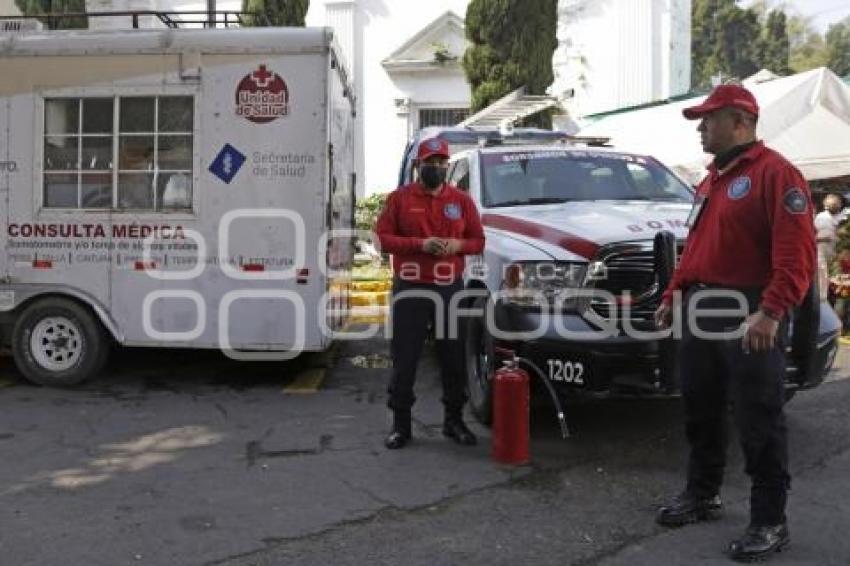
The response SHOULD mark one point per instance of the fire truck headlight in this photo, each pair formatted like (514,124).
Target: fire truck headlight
(543,283)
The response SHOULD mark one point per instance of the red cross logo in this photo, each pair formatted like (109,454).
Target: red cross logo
(262,77)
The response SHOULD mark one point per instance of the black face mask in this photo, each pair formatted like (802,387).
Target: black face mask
(432,176)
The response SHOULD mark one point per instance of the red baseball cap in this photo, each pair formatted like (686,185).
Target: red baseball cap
(723,96)
(432,146)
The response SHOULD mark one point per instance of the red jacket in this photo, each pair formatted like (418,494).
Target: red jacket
(756,229)
(412,215)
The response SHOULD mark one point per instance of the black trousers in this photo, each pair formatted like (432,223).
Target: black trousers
(410,318)
(714,372)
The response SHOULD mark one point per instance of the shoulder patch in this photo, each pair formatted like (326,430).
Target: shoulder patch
(739,188)
(795,201)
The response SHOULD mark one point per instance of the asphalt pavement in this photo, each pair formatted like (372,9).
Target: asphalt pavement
(192,459)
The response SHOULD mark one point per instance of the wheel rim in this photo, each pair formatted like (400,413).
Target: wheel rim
(56,343)
(479,361)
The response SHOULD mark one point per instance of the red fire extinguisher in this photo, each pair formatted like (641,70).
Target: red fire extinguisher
(511,414)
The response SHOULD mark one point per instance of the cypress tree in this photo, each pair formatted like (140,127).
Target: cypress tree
(512,45)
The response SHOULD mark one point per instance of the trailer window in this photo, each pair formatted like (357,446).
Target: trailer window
(141,161)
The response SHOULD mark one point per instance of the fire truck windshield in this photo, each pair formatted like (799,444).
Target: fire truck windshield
(550,176)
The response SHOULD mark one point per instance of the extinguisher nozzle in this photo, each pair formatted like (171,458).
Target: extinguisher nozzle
(565,432)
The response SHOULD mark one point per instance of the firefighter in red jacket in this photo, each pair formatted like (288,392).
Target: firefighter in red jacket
(428,226)
(751,232)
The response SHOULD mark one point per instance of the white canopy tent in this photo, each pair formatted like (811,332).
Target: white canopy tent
(806,117)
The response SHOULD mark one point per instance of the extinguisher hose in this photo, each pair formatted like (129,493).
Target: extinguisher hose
(565,432)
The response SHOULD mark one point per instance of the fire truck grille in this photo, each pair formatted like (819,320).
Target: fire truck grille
(629,275)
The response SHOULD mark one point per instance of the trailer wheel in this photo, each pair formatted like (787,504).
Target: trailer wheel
(479,365)
(56,342)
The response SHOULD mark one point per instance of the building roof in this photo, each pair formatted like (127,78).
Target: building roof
(438,44)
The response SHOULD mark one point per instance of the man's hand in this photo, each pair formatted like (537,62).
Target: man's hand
(434,246)
(663,316)
(760,335)
(452,246)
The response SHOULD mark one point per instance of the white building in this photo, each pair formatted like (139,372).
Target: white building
(615,54)
(407,73)
(9,8)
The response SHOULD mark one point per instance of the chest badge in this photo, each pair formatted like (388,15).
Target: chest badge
(739,188)
(452,211)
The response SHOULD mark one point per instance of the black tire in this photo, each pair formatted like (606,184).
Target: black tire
(479,365)
(58,343)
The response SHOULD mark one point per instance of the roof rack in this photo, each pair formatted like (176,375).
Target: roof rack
(169,19)
(19,24)
(490,136)
(595,141)
(564,139)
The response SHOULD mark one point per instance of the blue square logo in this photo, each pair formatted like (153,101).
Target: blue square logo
(227,163)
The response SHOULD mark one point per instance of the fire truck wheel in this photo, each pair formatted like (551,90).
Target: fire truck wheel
(479,365)
(57,342)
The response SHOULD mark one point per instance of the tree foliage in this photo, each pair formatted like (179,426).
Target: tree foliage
(734,42)
(808,48)
(512,45)
(838,47)
(775,45)
(275,12)
(368,209)
(727,41)
(35,7)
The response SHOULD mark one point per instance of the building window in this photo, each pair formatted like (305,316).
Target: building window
(442,116)
(129,153)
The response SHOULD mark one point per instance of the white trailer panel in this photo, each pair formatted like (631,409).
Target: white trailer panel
(178,184)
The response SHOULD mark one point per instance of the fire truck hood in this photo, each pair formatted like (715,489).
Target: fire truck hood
(578,229)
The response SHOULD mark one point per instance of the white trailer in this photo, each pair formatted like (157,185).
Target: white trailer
(172,188)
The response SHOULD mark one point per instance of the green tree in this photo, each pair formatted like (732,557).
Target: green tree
(838,47)
(274,12)
(56,7)
(512,45)
(725,41)
(775,46)
(368,209)
(808,49)
(703,39)
(737,41)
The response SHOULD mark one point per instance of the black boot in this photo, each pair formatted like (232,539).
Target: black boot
(686,508)
(400,434)
(760,542)
(454,428)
